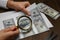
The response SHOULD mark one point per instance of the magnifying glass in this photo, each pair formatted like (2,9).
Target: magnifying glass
(24,23)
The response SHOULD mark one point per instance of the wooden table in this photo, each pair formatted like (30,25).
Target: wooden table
(54,4)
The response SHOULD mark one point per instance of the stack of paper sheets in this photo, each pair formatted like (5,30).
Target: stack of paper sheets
(11,17)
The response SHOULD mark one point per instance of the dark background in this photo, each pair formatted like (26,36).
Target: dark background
(52,3)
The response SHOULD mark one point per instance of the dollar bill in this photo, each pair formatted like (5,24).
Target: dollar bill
(38,21)
(9,22)
(48,10)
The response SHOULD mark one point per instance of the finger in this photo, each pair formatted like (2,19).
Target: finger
(10,29)
(27,3)
(25,11)
(13,33)
(16,32)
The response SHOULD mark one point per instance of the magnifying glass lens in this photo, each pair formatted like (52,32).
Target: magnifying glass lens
(24,23)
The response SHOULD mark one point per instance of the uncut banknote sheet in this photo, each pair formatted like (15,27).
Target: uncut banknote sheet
(40,23)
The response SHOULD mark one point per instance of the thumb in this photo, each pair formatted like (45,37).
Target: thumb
(13,33)
(10,29)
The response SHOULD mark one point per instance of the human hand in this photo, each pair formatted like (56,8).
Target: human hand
(19,6)
(9,33)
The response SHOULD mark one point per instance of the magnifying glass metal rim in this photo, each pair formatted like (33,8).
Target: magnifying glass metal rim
(27,30)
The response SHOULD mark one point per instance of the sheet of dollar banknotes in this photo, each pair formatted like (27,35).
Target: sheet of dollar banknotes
(40,22)
(48,10)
